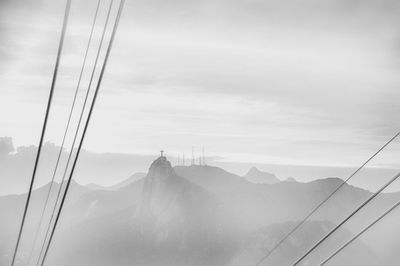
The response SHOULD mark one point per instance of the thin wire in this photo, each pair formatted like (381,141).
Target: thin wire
(65,133)
(347,218)
(325,200)
(361,232)
(76,131)
(53,84)
(86,125)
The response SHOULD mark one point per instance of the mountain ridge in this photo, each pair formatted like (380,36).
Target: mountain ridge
(196,214)
(256,176)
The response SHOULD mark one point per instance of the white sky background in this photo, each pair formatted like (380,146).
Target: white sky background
(275,82)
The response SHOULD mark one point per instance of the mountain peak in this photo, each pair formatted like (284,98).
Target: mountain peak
(161,167)
(253,170)
(156,183)
(254,175)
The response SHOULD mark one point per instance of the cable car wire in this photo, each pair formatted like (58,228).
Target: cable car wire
(325,200)
(86,125)
(65,134)
(347,218)
(53,84)
(361,232)
(76,131)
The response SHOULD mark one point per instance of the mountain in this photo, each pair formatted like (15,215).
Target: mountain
(162,219)
(190,215)
(214,179)
(258,177)
(12,206)
(266,238)
(130,180)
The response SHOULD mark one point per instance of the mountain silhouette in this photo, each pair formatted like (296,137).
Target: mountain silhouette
(131,179)
(162,219)
(258,177)
(187,215)
(266,238)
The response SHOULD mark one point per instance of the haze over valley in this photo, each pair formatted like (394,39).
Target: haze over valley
(196,215)
(199,133)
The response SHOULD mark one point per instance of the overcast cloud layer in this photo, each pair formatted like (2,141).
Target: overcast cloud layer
(280,82)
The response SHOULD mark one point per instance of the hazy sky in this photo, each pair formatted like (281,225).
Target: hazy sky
(281,82)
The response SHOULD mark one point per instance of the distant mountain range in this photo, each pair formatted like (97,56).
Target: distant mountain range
(131,179)
(191,215)
(258,177)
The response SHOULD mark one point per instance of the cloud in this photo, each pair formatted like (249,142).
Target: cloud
(6,146)
(251,73)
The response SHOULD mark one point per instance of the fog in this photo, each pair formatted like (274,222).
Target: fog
(201,215)
(273,105)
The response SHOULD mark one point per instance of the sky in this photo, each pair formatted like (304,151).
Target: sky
(311,83)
